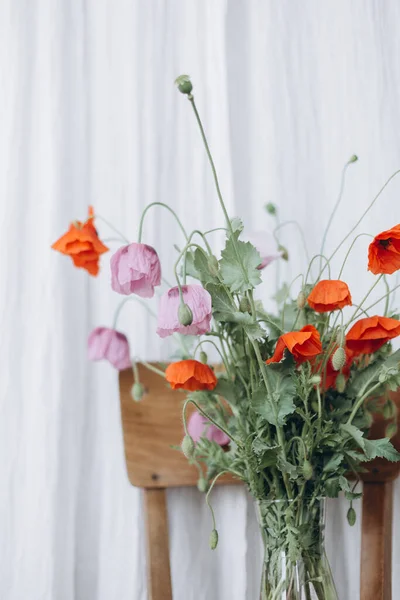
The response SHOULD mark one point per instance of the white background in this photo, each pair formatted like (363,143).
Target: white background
(89,115)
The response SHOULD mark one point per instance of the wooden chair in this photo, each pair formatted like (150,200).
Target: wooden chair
(151,427)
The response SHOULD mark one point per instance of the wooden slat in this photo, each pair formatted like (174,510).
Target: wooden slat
(150,428)
(376,542)
(158,568)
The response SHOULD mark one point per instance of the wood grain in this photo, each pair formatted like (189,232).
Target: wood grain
(376,542)
(158,567)
(150,428)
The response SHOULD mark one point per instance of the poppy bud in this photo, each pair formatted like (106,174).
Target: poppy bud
(389,410)
(338,359)
(184,84)
(391,430)
(188,446)
(301,300)
(351,516)
(307,470)
(137,391)
(353,159)
(284,252)
(185,315)
(340,383)
(270,208)
(315,379)
(244,305)
(213,265)
(213,539)
(202,485)
(203,357)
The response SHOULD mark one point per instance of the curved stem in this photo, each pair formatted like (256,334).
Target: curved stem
(377,301)
(338,201)
(122,304)
(208,494)
(301,232)
(121,235)
(310,265)
(359,402)
(224,360)
(350,249)
(164,206)
(152,368)
(221,427)
(364,299)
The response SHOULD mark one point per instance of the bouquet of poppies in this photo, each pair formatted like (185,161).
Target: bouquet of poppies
(288,411)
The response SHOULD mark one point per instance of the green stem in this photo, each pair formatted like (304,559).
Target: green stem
(350,249)
(382,298)
(363,300)
(122,304)
(221,427)
(223,358)
(152,368)
(121,235)
(301,232)
(361,400)
(164,206)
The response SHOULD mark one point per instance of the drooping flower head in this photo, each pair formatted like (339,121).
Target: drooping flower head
(135,269)
(199,302)
(266,245)
(190,375)
(328,295)
(82,244)
(384,252)
(369,334)
(198,427)
(108,344)
(303,345)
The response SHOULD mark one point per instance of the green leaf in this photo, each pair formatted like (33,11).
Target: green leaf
(334,462)
(332,487)
(287,467)
(275,409)
(255,331)
(191,270)
(382,448)
(227,390)
(237,226)
(202,267)
(239,266)
(355,433)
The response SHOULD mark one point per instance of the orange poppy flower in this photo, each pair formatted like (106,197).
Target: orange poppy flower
(304,345)
(190,375)
(369,334)
(82,244)
(384,252)
(329,294)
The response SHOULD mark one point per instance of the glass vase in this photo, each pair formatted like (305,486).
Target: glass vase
(295,565)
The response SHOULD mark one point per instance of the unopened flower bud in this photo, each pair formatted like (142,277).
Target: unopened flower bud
(137,391)
(389,410)
(203,357)
(301,300)
(213,539)
(244,305)
(391,430)
(202,485)
(315,379)
(184,84)
(340,383)
(340,337)
(188,446)
(338,359)
(270,208)
(284,252)
(213,265)
(353,159)
(307,470)
(185,315)
(351,516)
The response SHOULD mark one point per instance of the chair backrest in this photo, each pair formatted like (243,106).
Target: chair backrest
(153,429)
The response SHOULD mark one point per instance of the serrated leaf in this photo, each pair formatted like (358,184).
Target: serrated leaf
(237,225)
(275,409)
(382,448)
(239,266)
(332,487)
(334,462)
(259,446)
(202,267)
(354,433)
(227,390)
(255,331)
(287,467)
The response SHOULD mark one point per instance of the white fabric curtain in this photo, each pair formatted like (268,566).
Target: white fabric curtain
(89,114)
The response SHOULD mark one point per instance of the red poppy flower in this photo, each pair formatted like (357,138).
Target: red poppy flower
(304,345)
(82,244)
(369,334)
(190,375)
(384,252)
(329,294)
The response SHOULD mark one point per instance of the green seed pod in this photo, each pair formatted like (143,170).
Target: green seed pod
(389,410)
(315,379)
(301,300)
(213,265)
(137,391)
(340,383)
(284,252)
(185,315)
(244,305)
(340,337)
(188,447)
(270,208)
(351,516)
(202,485)
(308,471)
(184,84)
(213,539)
(203,357)
(353,159)
(339,359)
(390,430)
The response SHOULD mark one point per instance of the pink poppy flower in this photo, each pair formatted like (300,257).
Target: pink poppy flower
(266,245)
(111,345)
(135,269)
(199,302)
(198,426)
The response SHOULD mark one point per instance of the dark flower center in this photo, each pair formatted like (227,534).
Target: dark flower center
(385,243)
